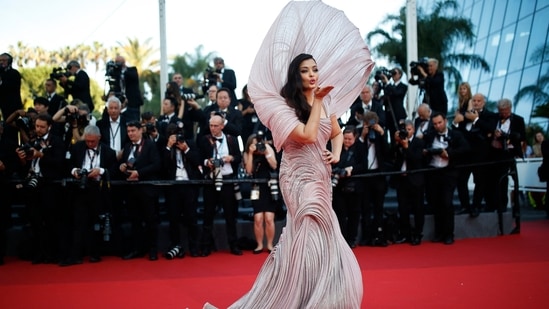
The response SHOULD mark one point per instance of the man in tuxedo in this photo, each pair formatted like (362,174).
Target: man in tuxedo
(368,104)
(79,88)
(232,118)
(192,113)
(477,126)
(44,162)
(221,157)
(56,101)
(169,107)
(10,86)
(113,126)
(126,82)
(225,78)
(444,149)
(141,161)
(393,97)
(347,195)
(507,144)
(181,158)
(91,162)
(410,185)
(375,186)
(423,124)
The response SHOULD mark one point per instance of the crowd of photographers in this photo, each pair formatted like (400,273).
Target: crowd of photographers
(91,187)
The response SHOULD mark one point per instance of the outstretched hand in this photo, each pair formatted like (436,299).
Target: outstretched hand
(320,93)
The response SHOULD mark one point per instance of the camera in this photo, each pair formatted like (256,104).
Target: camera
(174,252)
(218,178)
(57,73)
(423,63)
(402,132)
(210,77)
(371,131)
(83,173)
(80,120)
(273,186)
(24,124)
(150,128)
(434,151)
(337,173)
(113,71)
(27,147)
(382,71)
(260,145)
(129,166)
(105,225)
(191,96)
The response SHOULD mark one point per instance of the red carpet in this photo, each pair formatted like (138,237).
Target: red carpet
(503,272)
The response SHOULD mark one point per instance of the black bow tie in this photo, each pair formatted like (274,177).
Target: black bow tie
(219,139)
(92,149)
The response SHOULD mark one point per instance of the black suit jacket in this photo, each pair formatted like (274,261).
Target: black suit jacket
(435,95)
(458,147)
(229,82)
(479,136)
(10,92)
(517,134)
(395,96)
(377,108)
(191,161)
(104,125)
(57,102)
(80,88)
(382,152)
(52,163)
(233,117)
(206,145)
(163,123)
(132,91)
(418,122)
(413,156)
(147,160)
(107,157)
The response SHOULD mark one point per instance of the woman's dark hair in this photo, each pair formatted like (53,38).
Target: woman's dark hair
(292,91)
(172,91)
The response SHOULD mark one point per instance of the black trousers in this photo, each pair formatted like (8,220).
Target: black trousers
(181,202)
(225,198)
(410,201)
(44,210)
(346,205)
(442,184)
(143,213)
(375,189)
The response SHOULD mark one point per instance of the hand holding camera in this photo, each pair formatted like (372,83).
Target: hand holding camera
(471,115)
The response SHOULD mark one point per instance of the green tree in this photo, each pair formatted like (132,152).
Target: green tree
(192,67)
(438,33)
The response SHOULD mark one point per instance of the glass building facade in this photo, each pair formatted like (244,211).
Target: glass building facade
(507,32)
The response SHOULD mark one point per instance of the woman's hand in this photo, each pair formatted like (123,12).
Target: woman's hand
(320,93)
(329,157)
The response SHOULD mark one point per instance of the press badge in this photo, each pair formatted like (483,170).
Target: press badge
(254,194)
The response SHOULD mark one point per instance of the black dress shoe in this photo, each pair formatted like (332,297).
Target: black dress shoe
(256,251)
(95,259)
(380,242)
(236,251)
(133,255)
(448,240)
(401,240)
(415,241)
(70,262)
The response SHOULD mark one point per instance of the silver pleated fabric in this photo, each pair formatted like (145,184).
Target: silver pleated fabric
(312,265)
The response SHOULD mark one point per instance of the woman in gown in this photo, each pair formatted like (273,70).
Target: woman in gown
(312,266)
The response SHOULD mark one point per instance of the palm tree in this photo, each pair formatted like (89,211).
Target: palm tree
(538,92)
(438,33)
(192,67)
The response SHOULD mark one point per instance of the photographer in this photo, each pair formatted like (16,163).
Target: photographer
(347,194)
(425,74)
(507,144)
(222,78)
(444,149)
(393,98)
(79,88)
(23,122)
(113,125)
(10,86)
(188,110)
(410,187)
(91,162)
(44,162)
(375,187)
(260,162)
(181,158)
(125,80)
(76,117)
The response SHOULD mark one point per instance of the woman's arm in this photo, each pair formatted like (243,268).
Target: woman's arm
(307,133)
(336,139)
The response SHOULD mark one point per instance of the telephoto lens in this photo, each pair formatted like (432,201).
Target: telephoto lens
(174,252)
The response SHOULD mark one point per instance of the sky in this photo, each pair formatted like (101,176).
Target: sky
(231,29)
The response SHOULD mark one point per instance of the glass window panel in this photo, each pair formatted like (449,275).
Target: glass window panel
(490,56)
(512,82)
(542,4)
(497,15)
(518,53)
(475,18)
(484,25)
(527,7)
(496,88)
(539,31)
(502,60)
(483,87)
(474,76)
(513,8)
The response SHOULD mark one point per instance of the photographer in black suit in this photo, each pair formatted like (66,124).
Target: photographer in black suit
(410,186)
(393,99)
(221,158)
(10,86)
(232,118)
(43,158)
(181,158)
(113,125)
(125,80)
(91,165)
(444,149)
(79,88)
(224,78)
(425,74)
(141,161)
